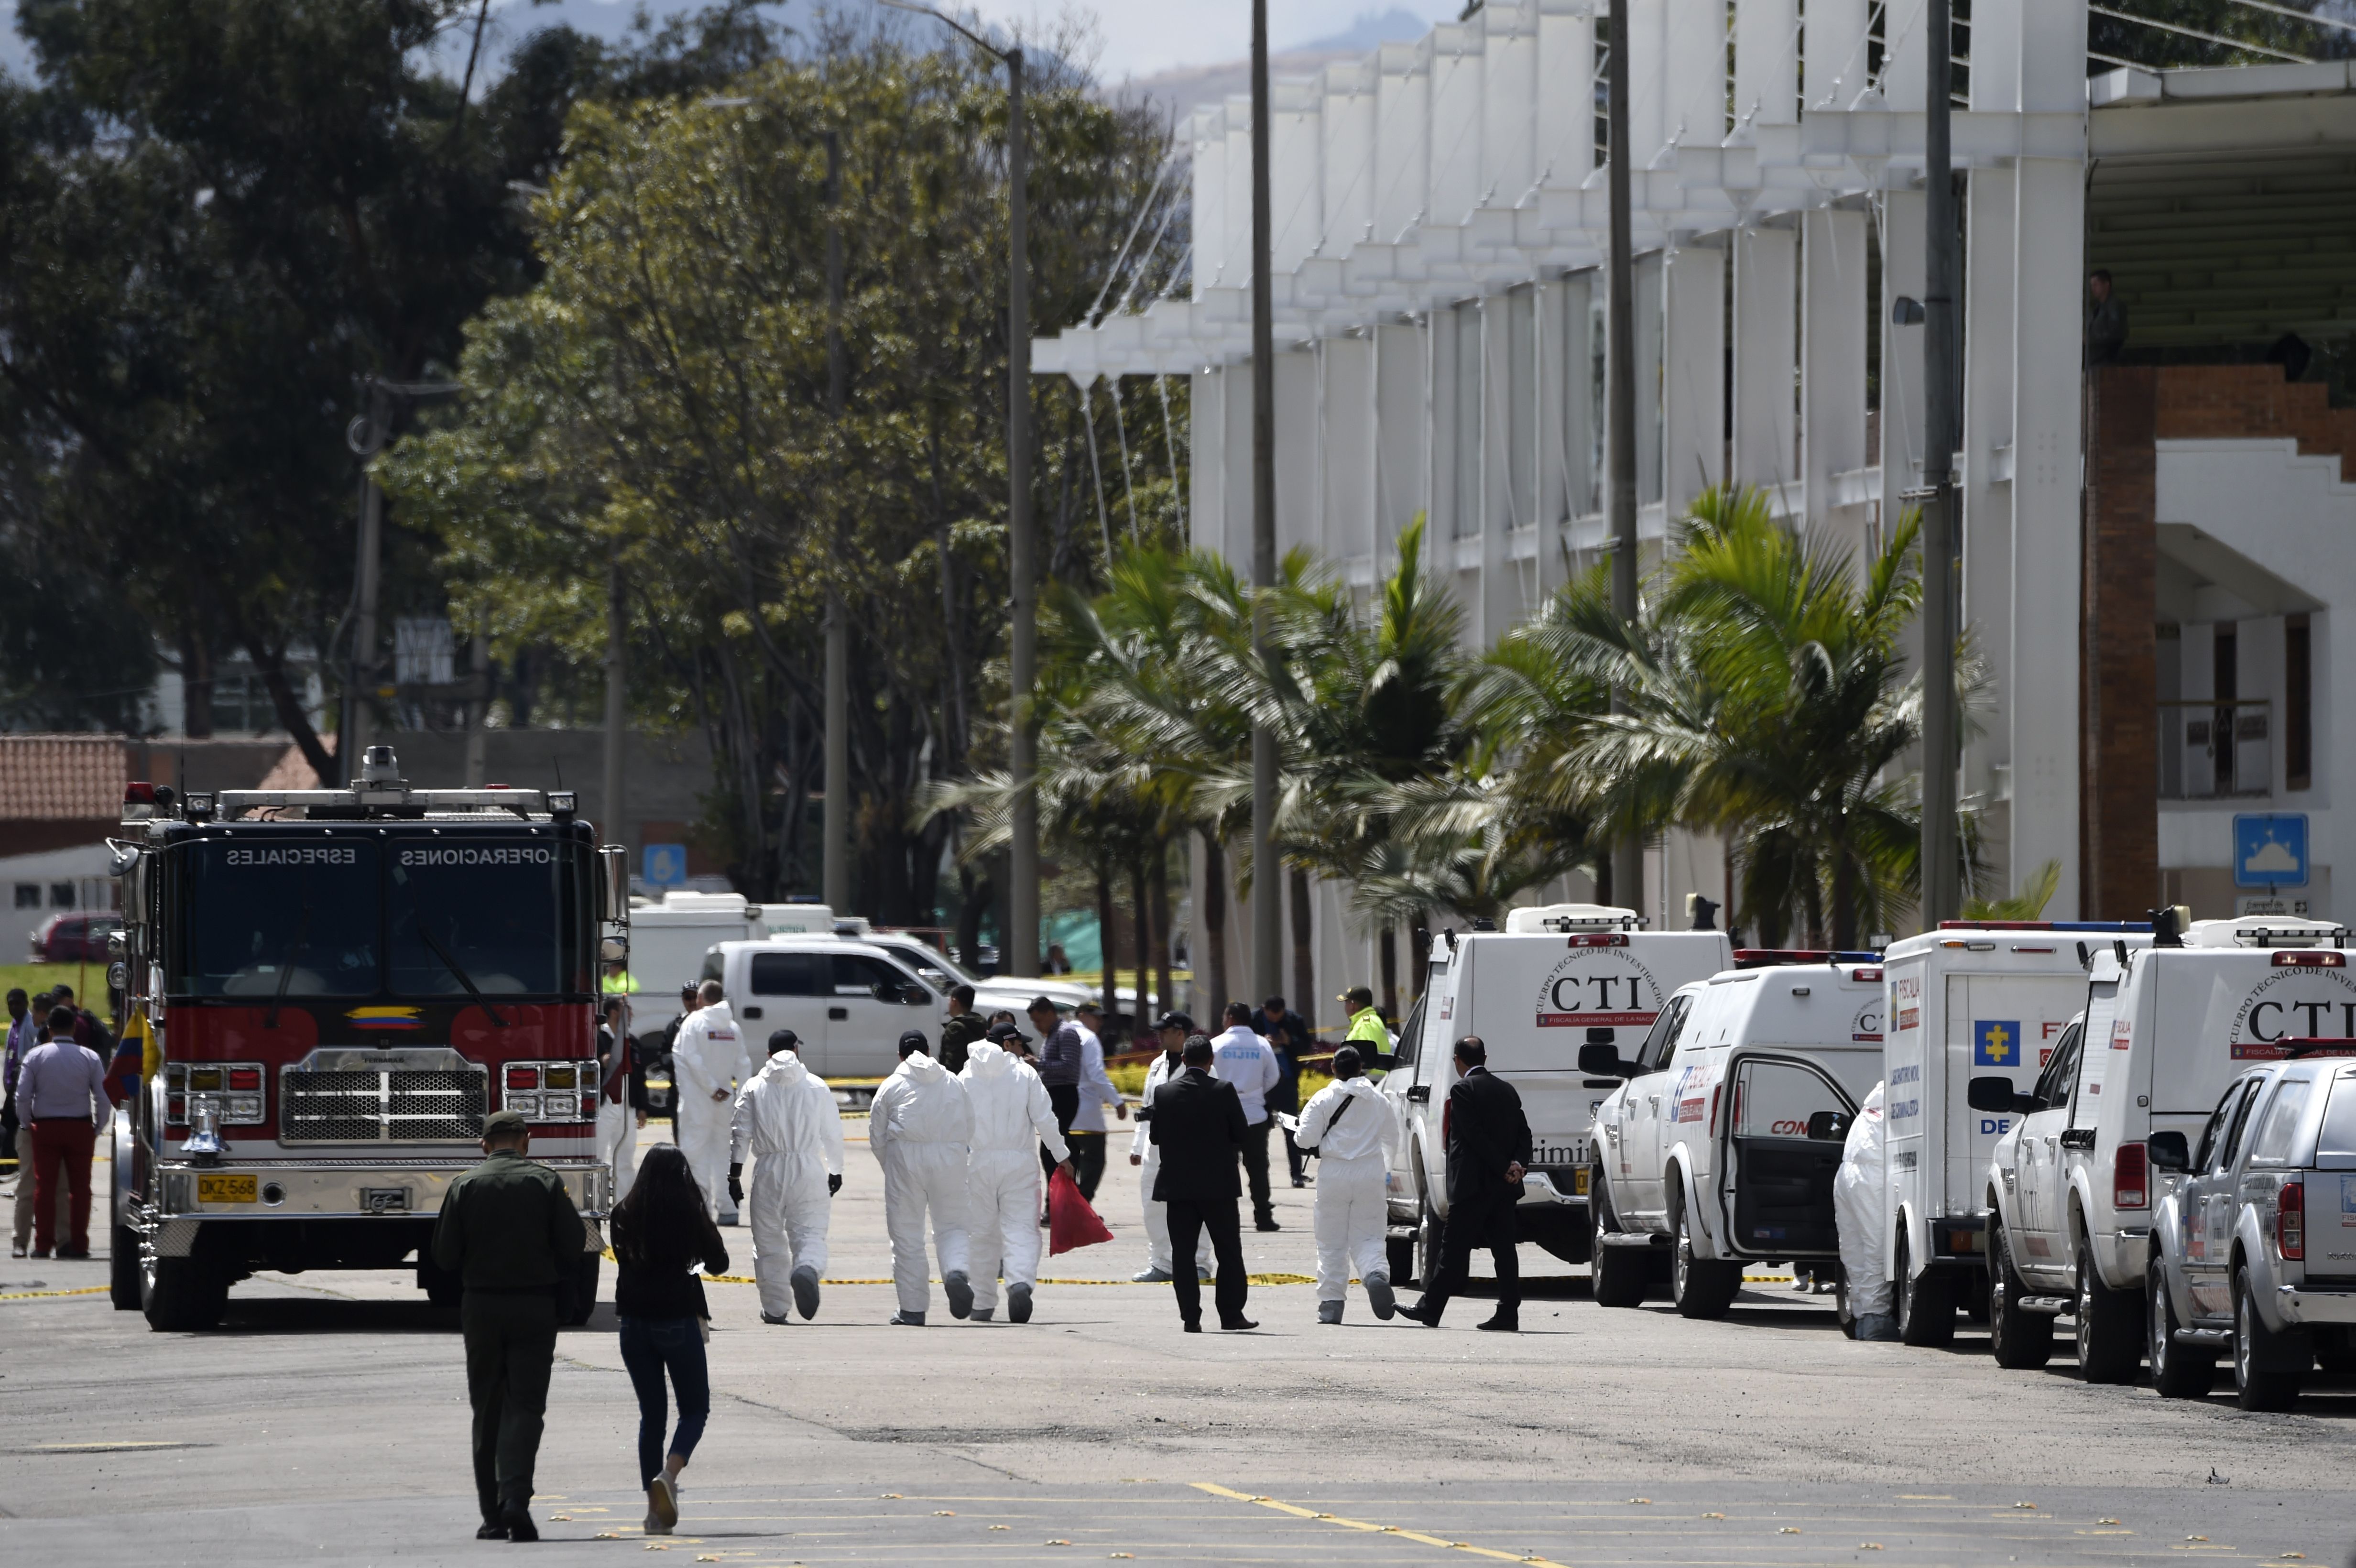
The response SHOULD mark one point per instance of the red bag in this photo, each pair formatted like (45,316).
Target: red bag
(1070,1221)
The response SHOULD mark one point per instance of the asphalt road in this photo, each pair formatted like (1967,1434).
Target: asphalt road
(326,1422)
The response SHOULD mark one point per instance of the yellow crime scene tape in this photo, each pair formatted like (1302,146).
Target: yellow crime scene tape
(36,1294)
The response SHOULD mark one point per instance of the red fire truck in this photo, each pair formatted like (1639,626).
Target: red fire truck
(341,984)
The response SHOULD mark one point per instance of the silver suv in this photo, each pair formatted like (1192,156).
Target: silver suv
(2254,1251)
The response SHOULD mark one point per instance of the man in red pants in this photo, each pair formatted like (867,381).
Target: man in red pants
(61,1094)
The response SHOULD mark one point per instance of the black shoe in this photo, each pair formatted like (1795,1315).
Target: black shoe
(1268,1224)
(1235,1324)
(1299,1182)
(1421,1314)
(1502,1323)
(1018,1304)
(1192,1326)
(492,1531)
(517,1518)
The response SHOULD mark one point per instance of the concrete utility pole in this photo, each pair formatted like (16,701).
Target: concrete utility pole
(1268,885)
(1942,858)
(1620,416)
(617,721)
(1018,947)
(835,875)
(365,437)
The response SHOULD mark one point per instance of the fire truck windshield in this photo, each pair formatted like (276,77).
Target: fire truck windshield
(299,917)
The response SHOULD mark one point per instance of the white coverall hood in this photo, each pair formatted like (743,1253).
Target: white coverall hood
(1861,1209)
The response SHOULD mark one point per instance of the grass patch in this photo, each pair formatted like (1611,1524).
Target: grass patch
(88,980)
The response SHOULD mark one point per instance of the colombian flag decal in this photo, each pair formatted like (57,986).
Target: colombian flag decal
(386,1018)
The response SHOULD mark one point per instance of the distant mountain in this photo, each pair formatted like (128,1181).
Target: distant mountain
(1184,87)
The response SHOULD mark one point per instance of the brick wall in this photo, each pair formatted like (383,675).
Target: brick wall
(2250,402)
(2119,708)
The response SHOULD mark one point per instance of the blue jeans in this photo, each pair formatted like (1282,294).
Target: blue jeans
(649,1344)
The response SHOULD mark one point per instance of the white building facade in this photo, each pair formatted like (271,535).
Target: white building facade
(1439,230)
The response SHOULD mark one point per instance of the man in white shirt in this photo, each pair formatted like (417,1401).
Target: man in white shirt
(1250,1063)
(61,1094)
(1350,1127)
(1086,1134)
(706,1061)
(1146,1154)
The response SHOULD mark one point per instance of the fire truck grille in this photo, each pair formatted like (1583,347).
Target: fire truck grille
(399,1106)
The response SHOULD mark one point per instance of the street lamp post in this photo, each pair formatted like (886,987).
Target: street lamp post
(1268,886)
(1019,944)
(1942,860)
(1619,411)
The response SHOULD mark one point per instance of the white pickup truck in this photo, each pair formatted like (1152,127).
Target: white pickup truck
(1557,979)
(1721,1145)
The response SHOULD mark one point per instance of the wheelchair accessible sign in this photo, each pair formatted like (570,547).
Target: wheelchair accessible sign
(2270,850)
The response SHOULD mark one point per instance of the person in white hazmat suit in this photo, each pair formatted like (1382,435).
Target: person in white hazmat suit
(1012,1117)
(786,1121)
(1350,1126)
(1145,1153)
(706,1061)
(920,1127)
(1861,1210)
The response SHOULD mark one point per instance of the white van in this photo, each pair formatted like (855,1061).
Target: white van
(668,940)
(1985,999)
(991,992)
(2070,1186)
(1721,1144)
(848,1001)
(1558,978)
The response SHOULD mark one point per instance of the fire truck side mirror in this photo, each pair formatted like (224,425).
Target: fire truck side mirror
(613,884)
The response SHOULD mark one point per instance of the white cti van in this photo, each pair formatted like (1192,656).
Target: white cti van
(1558,978)
(2070,1186)
(1985,998)
(1721,1145)
(848,1001)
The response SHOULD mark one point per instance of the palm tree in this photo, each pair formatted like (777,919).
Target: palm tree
(1765,696)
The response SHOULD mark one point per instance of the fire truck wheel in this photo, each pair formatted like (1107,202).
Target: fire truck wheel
(123,1269)
(181,1295)
(584,1290)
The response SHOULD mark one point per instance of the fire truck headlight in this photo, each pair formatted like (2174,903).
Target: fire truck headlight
(524,1104)
(246,1108)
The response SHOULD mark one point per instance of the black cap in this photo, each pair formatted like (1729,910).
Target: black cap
(784,1039)
(914,1039)
(1179,1021)
(1000,1033)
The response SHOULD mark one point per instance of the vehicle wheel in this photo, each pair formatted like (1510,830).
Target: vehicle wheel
(2266,1368)
(441,1287)
(180,1295)
(2021,1340)
(2110,1326)
(1427,1244)
(2177,1371)
(584,1289)
(1617,1272)
(123,1269)
(1926,1304)
(1399,1251)
(1701,1287)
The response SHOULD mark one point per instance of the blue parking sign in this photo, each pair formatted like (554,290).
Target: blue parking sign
(1996,1042)
(2270,850)
(666,865)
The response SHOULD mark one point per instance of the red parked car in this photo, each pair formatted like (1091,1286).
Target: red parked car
(74,938)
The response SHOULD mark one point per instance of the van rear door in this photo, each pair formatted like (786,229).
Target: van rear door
(1999,1026)
(1776,1181)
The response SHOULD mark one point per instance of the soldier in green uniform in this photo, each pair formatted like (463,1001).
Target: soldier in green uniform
(508,1230)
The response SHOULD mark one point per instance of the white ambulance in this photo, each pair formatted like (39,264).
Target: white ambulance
(2070,1186)
(1558,978)
(1721,1146)
(1981,998)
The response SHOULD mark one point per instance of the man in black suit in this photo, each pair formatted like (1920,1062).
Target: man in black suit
(1488,1150)
(1198,1127)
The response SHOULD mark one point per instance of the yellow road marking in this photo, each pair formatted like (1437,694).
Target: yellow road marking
(31,1295)
(1358,1524)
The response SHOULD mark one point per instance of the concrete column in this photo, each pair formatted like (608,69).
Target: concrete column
(1401,437)
(1902,351)
(1693,388)
(1651,344)
(1832,364)
(1766,349)
(1297,445)
(1834,55)
(1766,63)
(1207,476)
(1987,496)
(1345,481)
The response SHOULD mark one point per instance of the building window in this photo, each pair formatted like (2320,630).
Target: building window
(61,895)
(1467,419)
(28,895)
(2298,704)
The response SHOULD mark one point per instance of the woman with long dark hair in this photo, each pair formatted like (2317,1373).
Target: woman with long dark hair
(661,1230)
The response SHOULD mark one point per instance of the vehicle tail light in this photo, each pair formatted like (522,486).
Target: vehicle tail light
(523,1077)
(2290,1222)
(2130,1179)
(588,1107)
(245,1078)
(1716,1089)
(207,1078)
(175,1110)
